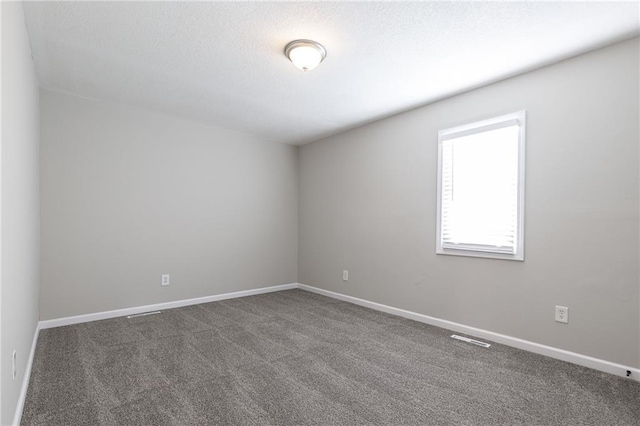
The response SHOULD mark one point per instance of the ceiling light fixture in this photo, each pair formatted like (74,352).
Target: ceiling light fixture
(305,54)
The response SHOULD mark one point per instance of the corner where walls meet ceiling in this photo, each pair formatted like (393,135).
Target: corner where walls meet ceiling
(223,63)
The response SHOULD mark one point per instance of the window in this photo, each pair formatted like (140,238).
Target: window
(481,188)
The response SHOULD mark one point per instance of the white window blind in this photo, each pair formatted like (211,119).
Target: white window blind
(480,188)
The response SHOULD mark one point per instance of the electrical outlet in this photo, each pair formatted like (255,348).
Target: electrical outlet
(165,280)
(345,275)
(13,361)
(562,314)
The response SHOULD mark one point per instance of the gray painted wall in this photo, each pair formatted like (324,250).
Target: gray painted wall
(19,214)
(368,205)
(128,195)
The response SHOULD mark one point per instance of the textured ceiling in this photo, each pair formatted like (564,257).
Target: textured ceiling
(223,63)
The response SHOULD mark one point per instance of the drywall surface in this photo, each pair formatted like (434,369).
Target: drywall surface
(368,205)
(129,194)
(383,56)
(19,213)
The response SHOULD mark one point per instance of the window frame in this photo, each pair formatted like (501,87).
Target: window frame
(473,128)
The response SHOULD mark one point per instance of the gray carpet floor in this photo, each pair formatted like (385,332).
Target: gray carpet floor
(297,358)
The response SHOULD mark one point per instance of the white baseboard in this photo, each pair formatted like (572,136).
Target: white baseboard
(561,354)
(59,322)
(25,379)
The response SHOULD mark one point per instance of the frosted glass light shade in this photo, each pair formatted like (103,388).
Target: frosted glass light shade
(305,54)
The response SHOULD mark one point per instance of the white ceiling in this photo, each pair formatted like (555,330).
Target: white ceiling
(223,63)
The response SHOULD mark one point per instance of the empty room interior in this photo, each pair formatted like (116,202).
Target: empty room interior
(320,213)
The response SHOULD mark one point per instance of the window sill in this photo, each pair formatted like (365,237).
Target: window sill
(483,254)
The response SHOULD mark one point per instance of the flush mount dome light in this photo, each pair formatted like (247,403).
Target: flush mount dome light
(305,54)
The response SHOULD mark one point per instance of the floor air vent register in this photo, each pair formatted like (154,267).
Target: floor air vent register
(473,342)
(144,314)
